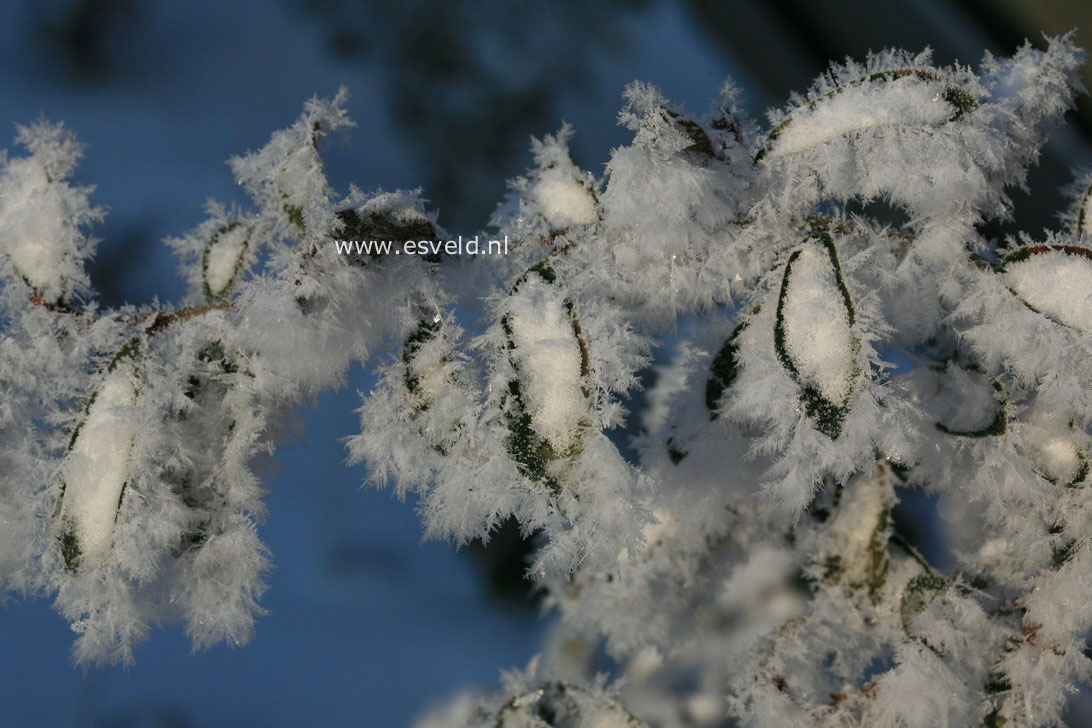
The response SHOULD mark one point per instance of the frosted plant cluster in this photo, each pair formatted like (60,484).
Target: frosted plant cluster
(746,568)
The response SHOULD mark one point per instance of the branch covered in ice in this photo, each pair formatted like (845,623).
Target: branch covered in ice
(805,369)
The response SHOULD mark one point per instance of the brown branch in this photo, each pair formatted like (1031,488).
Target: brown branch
(37,299)
(162,319)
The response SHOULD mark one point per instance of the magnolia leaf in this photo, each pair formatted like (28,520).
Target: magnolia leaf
(1053,447)
(565,199)
(1082,221)
(722,371)
(897,97)
(916,596)
(1053,280)
(813,333)
(993,428)
(547,403)
(428,373)
(208,383)
(223,259)
(96,469)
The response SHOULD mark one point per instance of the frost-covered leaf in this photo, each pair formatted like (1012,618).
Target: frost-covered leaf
(97,464)
(722,371)
(286,177)
(909,96)
(41,215)
(672,209)
(813,333)
(534,701)
(1057,446)
(1055,281)
(736,545)
(223,258)
(547,410)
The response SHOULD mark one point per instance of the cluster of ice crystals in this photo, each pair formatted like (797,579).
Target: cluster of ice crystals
(548,355)
(818,335)
(41,214)
(1057,284)
(747,565)
(96,467)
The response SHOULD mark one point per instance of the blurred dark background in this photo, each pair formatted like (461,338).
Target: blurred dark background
(368,626)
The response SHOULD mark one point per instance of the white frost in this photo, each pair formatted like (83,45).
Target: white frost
(564,199)
(1057,284)
(1054,446)
(32,223)
(97,468)
(818,336)
(224,257)
(858,109)
(548,355)
(677,558)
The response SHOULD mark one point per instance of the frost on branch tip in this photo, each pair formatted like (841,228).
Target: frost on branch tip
(556,194)
(134,494)
(41,215)
(286,178)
